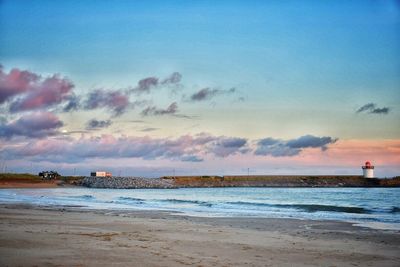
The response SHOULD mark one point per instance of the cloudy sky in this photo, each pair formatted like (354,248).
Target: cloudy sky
(200,87)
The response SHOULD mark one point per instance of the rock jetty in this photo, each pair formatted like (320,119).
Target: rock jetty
(237,181)
(282,181)
(127,182)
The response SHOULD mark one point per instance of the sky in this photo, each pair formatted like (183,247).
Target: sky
(150,88)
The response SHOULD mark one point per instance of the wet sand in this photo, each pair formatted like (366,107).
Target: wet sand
(67,236)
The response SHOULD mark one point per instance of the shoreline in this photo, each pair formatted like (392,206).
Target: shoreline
(179,215)
(172,182)
(373,226)
(69,236)
(43,185)
(50,186)
(90,199)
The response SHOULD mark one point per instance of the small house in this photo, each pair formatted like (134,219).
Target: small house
(100,174)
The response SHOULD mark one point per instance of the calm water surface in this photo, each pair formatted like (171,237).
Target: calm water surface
(372,207)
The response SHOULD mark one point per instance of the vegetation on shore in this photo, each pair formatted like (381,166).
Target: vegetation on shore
(36,179)
(20,177)
(218,181)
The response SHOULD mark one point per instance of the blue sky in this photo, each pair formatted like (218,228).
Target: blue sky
(298,67)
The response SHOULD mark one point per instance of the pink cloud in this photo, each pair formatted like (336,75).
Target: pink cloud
(42,94)
(34,125)
(184,148)
(116,101)
(15,82)
(210,153)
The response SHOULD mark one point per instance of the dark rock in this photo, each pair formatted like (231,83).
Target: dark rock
(126,182)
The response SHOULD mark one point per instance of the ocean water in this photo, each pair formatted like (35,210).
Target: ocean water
(371,207)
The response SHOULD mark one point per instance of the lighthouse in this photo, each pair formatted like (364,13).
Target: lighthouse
(368,170)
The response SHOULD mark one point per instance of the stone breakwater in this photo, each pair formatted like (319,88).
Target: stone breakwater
(126,182)
(236,181)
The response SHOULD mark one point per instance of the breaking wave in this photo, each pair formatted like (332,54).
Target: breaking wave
(85,197)
(308,207)
(131,199)
(184,201)
(355,205)
(395,210)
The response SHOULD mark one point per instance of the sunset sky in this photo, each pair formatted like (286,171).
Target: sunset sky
(202,87)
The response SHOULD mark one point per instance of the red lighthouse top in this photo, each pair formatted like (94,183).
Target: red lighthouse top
(368,165)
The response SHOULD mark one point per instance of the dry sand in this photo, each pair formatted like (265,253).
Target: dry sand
(21,184)
(40,236)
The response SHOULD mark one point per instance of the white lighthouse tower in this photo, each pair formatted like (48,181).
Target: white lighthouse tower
(368,170)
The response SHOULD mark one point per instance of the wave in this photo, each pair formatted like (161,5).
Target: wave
(307,207)
(183,201)
(131,199)
(395,210)
(315,208)
(82,197)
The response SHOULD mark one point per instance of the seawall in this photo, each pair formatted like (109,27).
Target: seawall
(126,182)
(281,181)
(237,181)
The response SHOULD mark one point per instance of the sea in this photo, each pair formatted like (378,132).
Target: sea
(377,208)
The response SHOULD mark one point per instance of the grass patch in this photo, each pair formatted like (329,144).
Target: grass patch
(20,177)
(31,178)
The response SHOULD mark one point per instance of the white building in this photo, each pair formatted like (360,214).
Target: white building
(368,170)
(101,174)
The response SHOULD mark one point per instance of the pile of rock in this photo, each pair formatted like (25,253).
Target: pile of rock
(126,182)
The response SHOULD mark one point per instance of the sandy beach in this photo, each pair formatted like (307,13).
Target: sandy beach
(67,236)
